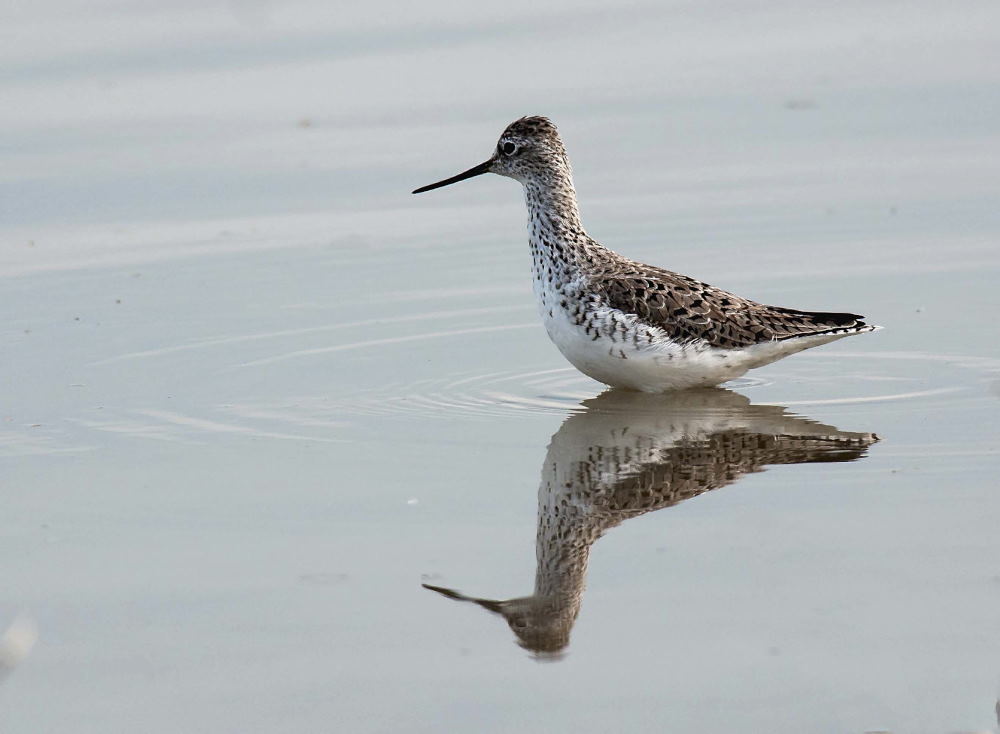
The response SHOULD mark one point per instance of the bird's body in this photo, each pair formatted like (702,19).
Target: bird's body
(625,323)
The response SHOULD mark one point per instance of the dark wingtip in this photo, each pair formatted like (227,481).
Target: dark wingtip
(832,317)
(846,319)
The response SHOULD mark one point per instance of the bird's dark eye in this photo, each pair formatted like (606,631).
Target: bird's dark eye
(508,148)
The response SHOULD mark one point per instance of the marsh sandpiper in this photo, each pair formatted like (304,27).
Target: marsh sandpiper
(624,323)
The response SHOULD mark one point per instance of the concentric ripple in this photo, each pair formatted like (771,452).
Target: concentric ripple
(821,379)
(471,395)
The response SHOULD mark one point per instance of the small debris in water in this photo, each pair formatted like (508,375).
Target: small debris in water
(412,501)
(16,643)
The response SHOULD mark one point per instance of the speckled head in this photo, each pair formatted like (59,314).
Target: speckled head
(528,150)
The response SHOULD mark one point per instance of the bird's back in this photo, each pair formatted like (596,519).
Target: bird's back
(690,310)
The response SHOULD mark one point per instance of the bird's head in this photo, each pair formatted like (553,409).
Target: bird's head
(529,150)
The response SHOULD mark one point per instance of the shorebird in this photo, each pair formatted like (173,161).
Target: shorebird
(630,454)
(625,323)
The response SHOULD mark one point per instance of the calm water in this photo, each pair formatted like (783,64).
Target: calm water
(257,397)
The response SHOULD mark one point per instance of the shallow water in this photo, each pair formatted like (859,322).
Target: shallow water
(257,396)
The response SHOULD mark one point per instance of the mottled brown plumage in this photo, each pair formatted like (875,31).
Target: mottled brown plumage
(690,310)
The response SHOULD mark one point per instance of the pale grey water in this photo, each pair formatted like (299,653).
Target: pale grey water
(255,394)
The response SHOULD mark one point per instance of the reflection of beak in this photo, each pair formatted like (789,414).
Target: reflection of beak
(493,606)
(474,171)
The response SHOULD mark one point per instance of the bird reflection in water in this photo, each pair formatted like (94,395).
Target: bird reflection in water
(631,453)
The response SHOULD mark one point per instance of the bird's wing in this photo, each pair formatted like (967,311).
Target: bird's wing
(689,310)
(692,467)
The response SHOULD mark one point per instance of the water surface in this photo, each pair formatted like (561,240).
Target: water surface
(257,397)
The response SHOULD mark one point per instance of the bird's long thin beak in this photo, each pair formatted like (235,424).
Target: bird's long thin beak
(474,171)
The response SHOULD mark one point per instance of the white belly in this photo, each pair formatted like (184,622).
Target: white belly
(628,354)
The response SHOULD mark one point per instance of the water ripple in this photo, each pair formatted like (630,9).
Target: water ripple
(888,377)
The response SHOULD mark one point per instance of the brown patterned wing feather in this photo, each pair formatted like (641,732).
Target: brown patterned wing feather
(691,467)
(690,310)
